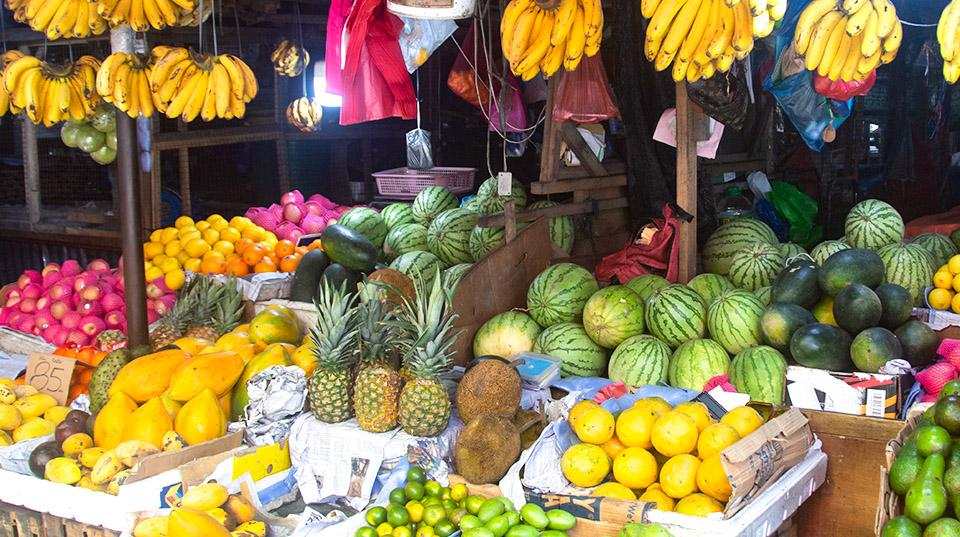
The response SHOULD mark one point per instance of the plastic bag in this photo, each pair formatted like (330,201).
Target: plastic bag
(419,38)
(840,90)
(465,82)
(799,210)
(722,97)
(419,148)
(515,113)
(583,95)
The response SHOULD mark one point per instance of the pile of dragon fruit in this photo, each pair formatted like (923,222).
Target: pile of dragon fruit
(295,216)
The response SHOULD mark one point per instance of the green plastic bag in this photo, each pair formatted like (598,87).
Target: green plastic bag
(799,210)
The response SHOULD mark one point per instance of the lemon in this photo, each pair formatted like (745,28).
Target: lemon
(657,404)
(174,279)
(253,233)
(744,419)
(203,225)
(157,260)
(585,465)
(168,234)
(182,257)
(955,303)
(230,234)
(218,225)
(172,248)
(698,411)
(674,433)
(595,426)
(635,468)
(189,236)
(185,231)
(197,247)
(152,249)
(678,477)
(712,478)
(155,235)
(192,264)
(614,490)
(215,217)
(715,439)
(169,265)
(943,279)
(634,426)
(211,236)
(954,264)
(153,273)
(956,283)
(224,247)
(183,221)
(698,505)
(940,299)
(656,495)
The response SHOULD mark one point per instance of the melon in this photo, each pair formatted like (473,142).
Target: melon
(366,222)
(453,275)
(697,361)
(640,360)
(419,266)
(717,253)
(873,348)
(579,355)
(484,240)
(405,238)
(645,285)
(856,265)
(791,249)
(825,249)
(397,213)
(756,266)
(561,227)
(760,372)
(612,315)
(908,266)
(873,224)
(765,294)
(734,320)
(489,202)
(559,293)
(430,202)
(939,246)
(676,314)
(506,335)
(709,286)
(780,321)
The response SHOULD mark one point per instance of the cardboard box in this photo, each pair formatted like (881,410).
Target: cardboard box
(858,394)
(891,505)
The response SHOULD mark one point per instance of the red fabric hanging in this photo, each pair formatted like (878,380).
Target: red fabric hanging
(660,256)
(336,19)
(376,84)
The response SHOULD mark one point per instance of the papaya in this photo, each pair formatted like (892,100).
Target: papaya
(148,423)
(201,419)
(205,497)
(33,428)
(226,405)
(218,371)
(276,354)
(274,325)
(111,421)
(192,523)
(147,376)
(152,527)
(173,407)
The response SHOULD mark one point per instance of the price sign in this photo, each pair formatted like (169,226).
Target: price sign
(51,374)
(504,183)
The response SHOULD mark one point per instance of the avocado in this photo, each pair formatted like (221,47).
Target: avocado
(933,467)
(944,527)
(933,439)
(947,414)
(951,477)
(926,501)
(905,468)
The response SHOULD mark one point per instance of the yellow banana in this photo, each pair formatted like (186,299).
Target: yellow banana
(138,18)
(807,23)
(757,7)
(742,28)
(45,14)
(871,41)
(563,22)
(852,60)
(649,7)
(832,47)
(508,22)
(530,73)
(888,57)
(725,61)
(121,88)
(133,96)
(821,36)
(588,7)
(184,91)
(593,18)
(538,48)
(868,63)
(63,12)
(951,71)
(887,17)
(714,25)
(121,13)
(722,38)
(858,21)
(651,47)
(708,71)
(146,98)
(31,95)
(520,37)
(840,57)
(679,71)
(554,59)
(152,12)
(16,69)
(892,42)
(663,59)
(852,6)
(81,27)
(942,22)
(105,76)
(693,73)
(575,42)
(237,107)
(535,31)
(592,47)
(236,78)
(167,11)
(220,81)
(763,25)
(681,27)
(250,87)
(660,23)
(163,67)
(197,96)
(951,25)
(777,10)
(689,46)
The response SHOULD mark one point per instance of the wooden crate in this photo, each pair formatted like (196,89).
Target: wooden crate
(847,503)
(20,522)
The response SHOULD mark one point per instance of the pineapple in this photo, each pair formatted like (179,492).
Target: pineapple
(427,323)
(376,391)
(109,340)
(218,312)
(171,327)
(335,339)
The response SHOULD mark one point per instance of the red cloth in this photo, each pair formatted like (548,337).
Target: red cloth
(933,379)
(720,380)
(336,19)
(615,390)
(376,84)
(842,91)
(661,256)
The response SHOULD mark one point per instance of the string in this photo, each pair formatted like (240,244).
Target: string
(236,20)
(3,32)
(303,75)
(917,24)
(213,26)
(200,26)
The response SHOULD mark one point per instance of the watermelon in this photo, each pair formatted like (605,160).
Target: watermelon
(790,249)
(856,265)
(430,202)
(676,314)
(505,335)
(561,227)
(734,320)
(559,293)
(919,342)
(780,321)
(760,372)
(717,253)
(484,240)
(873,348)
(417,265)
(939,246)
(396,214)
(856,307)
(955,238)
(765,295)
(639,361)
(612,315)
(709,286)
(821,346)
(897,305)
(797,284)
(695,362)
(756,266)
(489,202)
(366,222)
(471,204)
(579,355)
(825,249)
(646,285)
(448,236)
(908,266)
(453,275)
(405,238)
(873,224)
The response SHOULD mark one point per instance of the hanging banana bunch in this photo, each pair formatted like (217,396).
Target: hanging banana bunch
(703,37)
(847,39)
(188,84)
(50,93)
(142,15)
(539,38)
(124,81)
(19,9)
(948,34)
(192,17)
(64,18)
(290,59)
(305,114)
(6,59)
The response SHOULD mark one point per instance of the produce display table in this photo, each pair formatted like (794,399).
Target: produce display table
(847,502)
(20,522)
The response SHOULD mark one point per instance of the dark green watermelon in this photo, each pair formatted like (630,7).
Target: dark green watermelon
(855,265)
(797,284)
(780,321)
(821,346)
(919,342)
(897,305)
(873,348)
(856,307)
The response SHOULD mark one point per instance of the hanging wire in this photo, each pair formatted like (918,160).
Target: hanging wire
(3,32)
(917,24)
(303,75)
(213,26)
(200,27)
(236,21)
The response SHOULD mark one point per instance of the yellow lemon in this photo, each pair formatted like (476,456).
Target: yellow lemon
(240,223)
(230,234)
(698,411)
(182,257)
(152,249)
(657,404)
(170,264)
(214,253)
(635,468)
(183,221)
(956,283)
(715,439)
(943,279)
(612,447)
(585,465)
(595,426)
(698,505)
(155,235)
(940,299)
(253,233)
(634,426)
(954,264)
(216,217)
(172,248)
(211,236)
(192,264)
(674,433)
(415,510)
(203,225)
(174,279)
(614,490)
(744,419)
(159,259)
(655,494)
(197,247)
(218,225)
(678,477)
(955,303)
(186,232)
(153,273)
(168,234)
(712,478)
(224,247)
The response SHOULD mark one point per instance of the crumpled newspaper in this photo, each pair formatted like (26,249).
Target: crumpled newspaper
(277,396)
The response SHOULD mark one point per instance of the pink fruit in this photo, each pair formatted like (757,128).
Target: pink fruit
(152,317)
(13,301)
(163,304)
(293,212)
(252,211)
(51,277)
(342,209)
(90,307)
(4,315)
(71,319)
(312,223)
(71,267)
(60,336)
(90,292)
(60,291)
(50,332)
(323,200)
(78,338)
(25,323)
(294,196)
(43,319)
(313,208)
(84,280)
(28,277)
(111,302)
(32,290)
(51,267)
(59,309)
(98,265)
(43,303)
(114,319)
(28,305)
(91,325)
(266,219)
(157,288)
(75,300)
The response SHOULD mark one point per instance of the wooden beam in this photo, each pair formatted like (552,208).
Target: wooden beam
(566,209)
(576,143)
(550,154)
(589,183)
(687,181)
(613,166)
(213,137)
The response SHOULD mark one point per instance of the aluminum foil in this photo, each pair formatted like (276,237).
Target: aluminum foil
(277,396)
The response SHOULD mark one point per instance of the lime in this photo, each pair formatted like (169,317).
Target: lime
(431,500)
(416,510)
(449,505)
(384,529)
(473,504)
(445,493)
(498,525)
(433,514)
(457,514)
(414,490)
(416,474)
(432,488)
(397,515)
(513,518)
(397,496)
(932,439)
(507,504)
(425,531)
(469,522)
(376,516)
(458,492)
(402,531)
(444,528)
(366,531)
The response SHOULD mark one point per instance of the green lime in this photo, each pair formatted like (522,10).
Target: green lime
(498,525)
(507,504)
(513,518)
(397,496)
(457,514)
(433,514)
(458,492)
(469,522)
(366,531)
(431,500)
(425,531)
(416,474)
(414,490)
(402,531)
(473,503)
(449,505)
(397,515)
(445,493)
(384,529)
(432,488)
(376,516)
(444,528)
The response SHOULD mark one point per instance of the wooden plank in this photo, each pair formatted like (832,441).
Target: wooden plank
(550,153)
(614,166)
(213,137)
(183,161)
(687,182)
(576,143)
(572,185)
(510,221)
(567,209)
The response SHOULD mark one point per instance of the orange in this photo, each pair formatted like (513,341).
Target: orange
(238,268)
(678,477)
(253,254)
(674,433)
(698,505)
(656,495)
(698,411)
(284,248)
(613,447)
(302,250)
(715,439)
(213,265)
(614,490)
(634,426)
(229,234)
(744,419)
(595,426)
(265,265)
(289,263)
(635,468)
(657,404)
(585,465)
(242,245)
(579,410)
(315,244)
(712,479)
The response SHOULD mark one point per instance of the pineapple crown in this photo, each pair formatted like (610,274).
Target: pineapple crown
(377,333)
(229,307)
(335,335)
(427,323)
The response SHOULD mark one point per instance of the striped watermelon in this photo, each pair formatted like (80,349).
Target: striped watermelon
(472,204)
(825,249)
(490,203)
(756,266)
(790,249)
(646,285)
(728,239)
(396,214)
(612,315)
(873,224)
(453,275)
(734,320)
(764,294)
(559,293)
(639,361)
(760,372)
(579,355)
(709,286)
(484,240)
(430,202)
(908,266)
(405,238)
(366,222)
(561,227)
(418,265)
(676,314)
(695,362)
(448,236)
(505,335)
(939,246)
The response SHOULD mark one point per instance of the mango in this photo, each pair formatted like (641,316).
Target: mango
(6,394)
(24,390)
(86,483)
(173,441)
(218,371)
(201,419)
(191,523)
(5,439)
(276,354)
(113,487)
(106,468)
(173,407)
(304,359)
(131,452)
(8,383)
(222,517)
(148,376)
(274,326)
(204,497)
(56,414)
(62,470)
(112,420)
(152,527)
(33,406)
(241,509)
(33,428)
(253,527)
(148,423)
(76,443)
(89,457)
(10,417)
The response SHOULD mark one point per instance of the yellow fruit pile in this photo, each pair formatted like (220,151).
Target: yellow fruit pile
(537,39)
(124,81)
(5,105)
(703,37)
(26,414)
(945,294)
(51,93)
(187,84)
(655,453)
(142,15)
(64,18)
(948,35)
(84,465)
(289,59)
(207,510)
(847,39)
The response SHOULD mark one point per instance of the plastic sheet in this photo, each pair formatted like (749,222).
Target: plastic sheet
(583,96)
(465,82)
(799,210)
(420,38)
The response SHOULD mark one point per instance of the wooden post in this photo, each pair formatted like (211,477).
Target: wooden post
(184,172)
(510,221)
(687,121)
(31,171)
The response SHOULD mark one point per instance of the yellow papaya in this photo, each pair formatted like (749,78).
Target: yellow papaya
(276,354)
(253,527)
(218,371)
(147,376)
(274,326)
(173,407)
(201,419)
(304,358)
(89,457)
(205,497)
(226,405)
(151,527)
(7,396)
(192,523)
(148,423)
(33,428)
(112,420)
(33,406)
